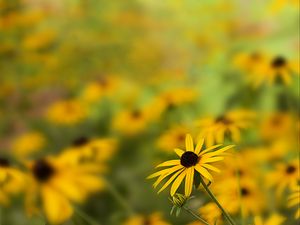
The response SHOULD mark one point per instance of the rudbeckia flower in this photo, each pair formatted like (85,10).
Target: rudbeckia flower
(285,175)
(11,181)
(66,112)
(191,160)
(153,219)
(214,129)
(58,182)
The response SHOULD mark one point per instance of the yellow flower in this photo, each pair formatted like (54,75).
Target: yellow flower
(66,112)
(214,129)
(274,219)
(294,199)
(39,40)
(58,182)
(210,212)
(285,175)
(190,160)
(131,122)
(250,63)
(11,181)
(153,219)
(172,138)
(28,143)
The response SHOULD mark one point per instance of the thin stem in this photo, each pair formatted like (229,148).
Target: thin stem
(119,198)
(194,215)
(213,197)
(86,217)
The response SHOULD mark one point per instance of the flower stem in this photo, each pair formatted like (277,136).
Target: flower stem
(213,197)
(194,215)
(119,198)
(86,217)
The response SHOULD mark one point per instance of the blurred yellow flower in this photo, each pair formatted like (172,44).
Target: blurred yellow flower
(39,40)
(274,219)
(284,175)
(172,138)
(28,143)
(190,160)
(58,182)
(294,199)
(215,129)
(66,112)
(12,181)
(152,219)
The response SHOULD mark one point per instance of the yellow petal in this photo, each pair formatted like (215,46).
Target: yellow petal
(189,179)
(57,207)
(209,149)
(211,168)
(172,170)
(213,159)
(162,172)
(204,172)
(189,143)
(199,146)
(177,182)
(178,151)
(169,163)
(169,181)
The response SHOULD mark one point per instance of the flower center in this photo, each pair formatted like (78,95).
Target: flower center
(4,162)
(146,221)
(80,141)
(290,169)
(136,114)
(223,119)
(189,159)
(42,170)
(245,192)
(278,62)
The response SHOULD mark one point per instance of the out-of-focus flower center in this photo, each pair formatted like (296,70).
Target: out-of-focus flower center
(146,221)
(80,141)
(4,162)
(278,62)
(290,169)
(223,119)
(245,192)
(136,114)
(42,170)
(189,159)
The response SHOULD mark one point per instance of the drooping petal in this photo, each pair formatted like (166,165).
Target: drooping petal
(189,143)
(204,172)
(164,171)
(189,179)
(177,182)
(170,181)
(166,175)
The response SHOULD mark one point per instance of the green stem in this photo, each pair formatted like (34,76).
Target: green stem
(86,217)
(119,198)
(213,197)
(194,215)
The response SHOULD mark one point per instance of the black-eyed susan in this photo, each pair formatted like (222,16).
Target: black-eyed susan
(273,219)
(294,199)
(284,175)
(152,219)
(214,129)
(28,143)
(190,160)
(66,112)
(58,182)
(12,181)
(131,122)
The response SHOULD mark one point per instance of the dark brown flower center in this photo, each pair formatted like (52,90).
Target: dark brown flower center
(180,137)
(42,170)
(80,141)
(278,62)
(223,119)
(147,221)
(290,169)
(136,114)
(4,162)
(245,192)
(189,159)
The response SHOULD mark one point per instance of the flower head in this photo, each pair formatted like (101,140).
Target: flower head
(191,160)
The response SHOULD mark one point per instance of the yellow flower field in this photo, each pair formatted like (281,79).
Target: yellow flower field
(148,112)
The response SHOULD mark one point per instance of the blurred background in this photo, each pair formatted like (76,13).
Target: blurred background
(137,75)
